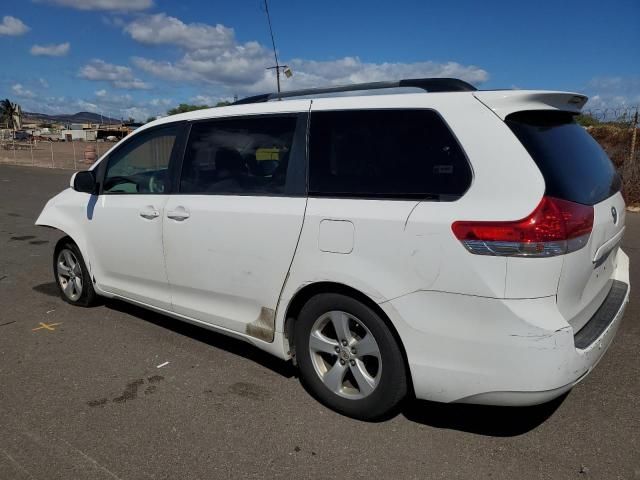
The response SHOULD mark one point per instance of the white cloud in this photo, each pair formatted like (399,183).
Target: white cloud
(240,75)
(161,29)
(613,96)
(134,84)
(204,100)
(101,70)
(20,91)
(163,69)
(85,106)
(308,73)
(12,26)
(43,83)
(161,102)
(118,75)
(139,114)
(104,102)
(59,50)
(211,55)
(106,5)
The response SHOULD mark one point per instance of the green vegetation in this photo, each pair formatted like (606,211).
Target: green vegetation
(186,107)
(10,114)
(587,120)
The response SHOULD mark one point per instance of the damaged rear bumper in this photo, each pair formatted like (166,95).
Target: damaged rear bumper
(491,351)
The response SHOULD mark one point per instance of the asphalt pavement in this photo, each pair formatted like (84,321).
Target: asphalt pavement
(91,395)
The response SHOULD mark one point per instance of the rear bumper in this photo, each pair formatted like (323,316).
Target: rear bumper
(469,349)
(604,316)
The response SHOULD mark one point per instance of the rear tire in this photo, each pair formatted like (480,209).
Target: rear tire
(71,275)
(348,358)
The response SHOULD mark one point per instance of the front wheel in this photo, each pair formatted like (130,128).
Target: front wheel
(72,277)
(348,358)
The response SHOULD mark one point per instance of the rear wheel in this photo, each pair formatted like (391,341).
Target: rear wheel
(348,357)
(71,274)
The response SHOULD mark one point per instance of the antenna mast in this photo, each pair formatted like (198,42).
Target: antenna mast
(275,53)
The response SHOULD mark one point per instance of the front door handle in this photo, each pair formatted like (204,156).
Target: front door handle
(179,214)
(149,212)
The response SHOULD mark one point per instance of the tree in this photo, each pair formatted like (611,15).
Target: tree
(11,114)
(224,103)
(186,107)
(150,119)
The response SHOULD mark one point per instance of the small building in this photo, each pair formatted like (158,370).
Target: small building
(78,135)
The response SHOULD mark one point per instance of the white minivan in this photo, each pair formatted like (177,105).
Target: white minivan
(453,244)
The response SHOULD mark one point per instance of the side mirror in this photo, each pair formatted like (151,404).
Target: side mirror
(84,182)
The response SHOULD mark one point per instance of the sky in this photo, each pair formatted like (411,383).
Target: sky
(137,58)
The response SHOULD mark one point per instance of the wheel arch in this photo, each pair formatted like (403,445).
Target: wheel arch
(69,234)
(304,294)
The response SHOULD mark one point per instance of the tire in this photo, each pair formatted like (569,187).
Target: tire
(367,384)
(71,275)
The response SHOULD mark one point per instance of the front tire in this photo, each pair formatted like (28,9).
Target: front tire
(71,275)
(348,357)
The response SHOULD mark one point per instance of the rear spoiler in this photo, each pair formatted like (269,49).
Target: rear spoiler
(505,102)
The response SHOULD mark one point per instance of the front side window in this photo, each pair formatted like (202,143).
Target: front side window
(142,164)
(242,156)
(399,154)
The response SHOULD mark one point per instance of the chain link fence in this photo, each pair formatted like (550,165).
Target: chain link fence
(621,115)
(76,155)
(616,130)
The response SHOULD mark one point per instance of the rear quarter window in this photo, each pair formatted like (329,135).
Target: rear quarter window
(574,166)
(398,154)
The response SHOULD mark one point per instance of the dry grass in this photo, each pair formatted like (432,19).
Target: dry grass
(616,141)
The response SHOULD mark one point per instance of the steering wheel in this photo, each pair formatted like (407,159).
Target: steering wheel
(156,185)
(113,181)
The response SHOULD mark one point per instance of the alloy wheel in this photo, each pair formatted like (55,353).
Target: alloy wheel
(345,355)
(69,273)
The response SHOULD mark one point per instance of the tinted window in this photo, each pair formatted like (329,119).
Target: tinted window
(239,156)
(385,154)
(572,163)
(141,165)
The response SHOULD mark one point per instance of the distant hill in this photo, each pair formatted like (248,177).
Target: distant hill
(80,117)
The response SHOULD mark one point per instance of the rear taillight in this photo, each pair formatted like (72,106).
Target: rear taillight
(555,227)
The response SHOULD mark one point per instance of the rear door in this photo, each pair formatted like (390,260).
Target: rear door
(576,169)
(231,230)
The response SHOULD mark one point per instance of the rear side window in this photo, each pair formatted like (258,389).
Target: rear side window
(573,165)
(404,154)
(241,156)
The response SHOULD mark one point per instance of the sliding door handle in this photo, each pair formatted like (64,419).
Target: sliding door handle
(179,214)
(149,212)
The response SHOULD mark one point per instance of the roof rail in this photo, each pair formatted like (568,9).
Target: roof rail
(426,84)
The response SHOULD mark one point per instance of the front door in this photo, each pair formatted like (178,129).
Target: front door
(231,230)
(125,220)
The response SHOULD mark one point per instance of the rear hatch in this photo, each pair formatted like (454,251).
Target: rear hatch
(577,170)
